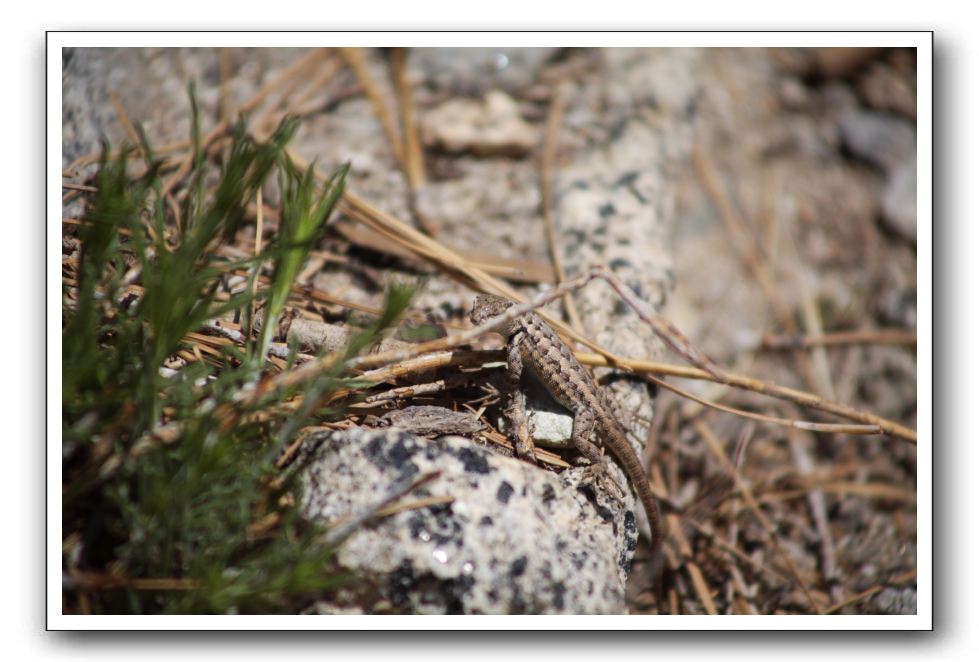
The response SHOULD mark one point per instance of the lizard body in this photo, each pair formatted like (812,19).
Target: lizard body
(532,342)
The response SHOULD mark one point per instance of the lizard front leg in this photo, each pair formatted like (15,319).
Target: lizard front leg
(516,411)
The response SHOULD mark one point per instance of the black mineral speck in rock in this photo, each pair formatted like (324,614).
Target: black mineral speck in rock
(606,210)
(518,566)
(473,461)
(559,591)
(505,492)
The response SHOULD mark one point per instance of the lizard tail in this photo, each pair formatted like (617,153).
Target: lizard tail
(637,477)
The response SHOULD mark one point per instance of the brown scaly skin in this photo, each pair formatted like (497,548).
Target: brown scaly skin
(531,342)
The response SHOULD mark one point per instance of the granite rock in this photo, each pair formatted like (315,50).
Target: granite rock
(515,539)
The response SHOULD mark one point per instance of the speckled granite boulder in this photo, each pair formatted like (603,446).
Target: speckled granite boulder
(515,539)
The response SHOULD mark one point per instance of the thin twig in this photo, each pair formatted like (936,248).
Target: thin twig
(77,580)
(812,323)
(903,578)
(92,157)
(339,532)
(785,422)
(750,384)
(883,491)
(417,390)
(860,337)
(817,504)
(259,229)
(675,532)
(734,551)
(80,187)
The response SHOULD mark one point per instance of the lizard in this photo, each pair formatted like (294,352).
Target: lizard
(532,342)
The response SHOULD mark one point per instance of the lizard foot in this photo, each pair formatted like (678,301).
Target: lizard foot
(602,476)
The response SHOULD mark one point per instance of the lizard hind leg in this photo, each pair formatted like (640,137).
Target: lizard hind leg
(611,402)
(599,471)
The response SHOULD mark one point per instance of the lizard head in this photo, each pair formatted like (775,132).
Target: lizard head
(488,306)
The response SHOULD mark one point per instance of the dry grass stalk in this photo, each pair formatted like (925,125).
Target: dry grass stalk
(221,129)
(547,161)
(354,57)
(264,124)
(751,256)
(414,163)
(123,117)
(513,269)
